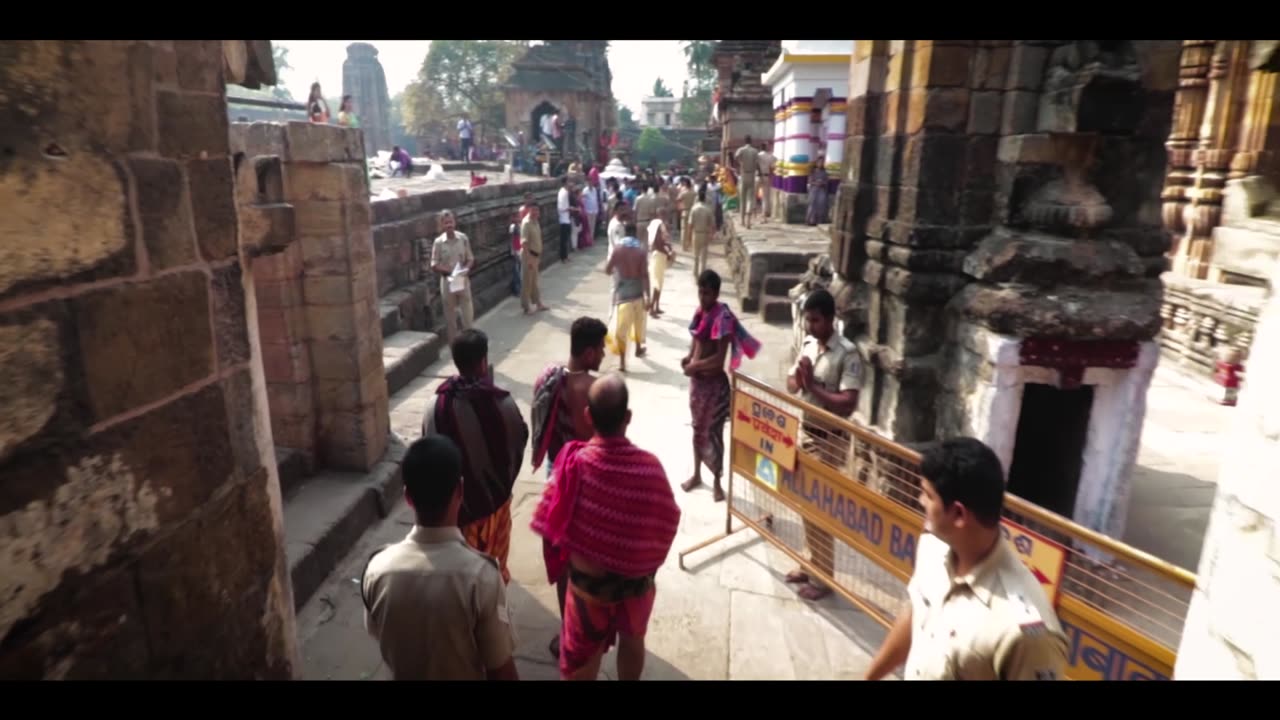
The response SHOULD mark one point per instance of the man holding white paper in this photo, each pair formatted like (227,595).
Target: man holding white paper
(452,260)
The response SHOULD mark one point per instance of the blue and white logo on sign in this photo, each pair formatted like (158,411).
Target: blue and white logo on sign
(767,471)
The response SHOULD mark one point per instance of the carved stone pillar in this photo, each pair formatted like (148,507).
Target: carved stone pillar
(1260,115)
(1227,75)
(1188,114)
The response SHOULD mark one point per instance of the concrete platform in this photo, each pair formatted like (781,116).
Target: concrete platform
(772,249)
(457,177)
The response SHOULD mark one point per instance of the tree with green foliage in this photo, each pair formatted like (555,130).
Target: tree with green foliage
(626,118)
(280,55)
(649,142)
(695,108)
(461,76)
(661,90)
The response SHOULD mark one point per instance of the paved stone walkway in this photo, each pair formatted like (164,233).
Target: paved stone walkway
(730,616)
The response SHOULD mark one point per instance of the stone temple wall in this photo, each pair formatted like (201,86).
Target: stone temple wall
(140,514)
(364,79)
(318,309)
(410,301)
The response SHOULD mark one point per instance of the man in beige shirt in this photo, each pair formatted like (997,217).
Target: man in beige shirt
(767,163)
(449,252)
(976,611)
(747,158)
(646,208)
(828,374)
(700,226)
(531,256)
(437,607)
(687,199)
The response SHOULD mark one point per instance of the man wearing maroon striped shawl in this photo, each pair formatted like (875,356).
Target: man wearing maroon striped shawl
(610,512)
(485,423)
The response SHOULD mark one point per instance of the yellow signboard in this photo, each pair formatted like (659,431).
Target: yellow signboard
(867,521)
(1045,558)
(765,429)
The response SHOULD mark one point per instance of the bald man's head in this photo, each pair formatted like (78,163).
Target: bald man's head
(607,405)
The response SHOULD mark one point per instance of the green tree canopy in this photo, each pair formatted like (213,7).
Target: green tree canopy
(626,118)
(661,90)
(695,108)
(280,54)
(460,76)
(649,142)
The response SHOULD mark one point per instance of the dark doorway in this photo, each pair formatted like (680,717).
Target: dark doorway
(535,119)
(1048,452)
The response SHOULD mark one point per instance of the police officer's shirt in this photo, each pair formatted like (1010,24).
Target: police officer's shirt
(993,623)
(437,607)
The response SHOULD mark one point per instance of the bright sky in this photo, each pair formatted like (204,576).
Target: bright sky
(635,65)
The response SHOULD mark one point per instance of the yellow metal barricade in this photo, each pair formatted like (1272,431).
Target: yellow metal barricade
(842,502)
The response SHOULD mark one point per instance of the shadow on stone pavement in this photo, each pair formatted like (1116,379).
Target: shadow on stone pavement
(1168,514)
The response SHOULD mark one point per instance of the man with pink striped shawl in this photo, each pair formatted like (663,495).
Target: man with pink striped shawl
(611,517)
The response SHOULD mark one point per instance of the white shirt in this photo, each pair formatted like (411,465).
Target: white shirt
(464,129)
(562,206)
(590,203)
(547,126)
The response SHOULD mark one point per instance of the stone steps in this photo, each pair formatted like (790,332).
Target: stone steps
(405,354)
(325,517)
(776,309)
(780,283)
(293,468)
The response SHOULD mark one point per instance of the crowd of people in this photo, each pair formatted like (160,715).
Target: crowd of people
(608,515)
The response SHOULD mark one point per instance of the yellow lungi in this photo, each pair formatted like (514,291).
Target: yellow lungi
(657,270)
(626,323)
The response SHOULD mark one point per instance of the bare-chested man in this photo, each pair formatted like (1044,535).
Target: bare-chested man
(558,414)
(629,268)
(661,255)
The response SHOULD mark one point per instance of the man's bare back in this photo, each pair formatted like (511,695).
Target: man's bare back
(575,399)
(629,262)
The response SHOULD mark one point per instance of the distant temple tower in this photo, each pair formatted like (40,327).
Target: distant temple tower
(364,80)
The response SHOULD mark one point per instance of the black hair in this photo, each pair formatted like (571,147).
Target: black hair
(702,192)
(586,333)
(432,470)
(748,140)
(965,470)
(629,229)
(469,348)
(608,410)
(709,279)
(823,302)
(564,180)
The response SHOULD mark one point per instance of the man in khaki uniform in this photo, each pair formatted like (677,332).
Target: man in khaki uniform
(976,612)
(687,198)
(747,157)
(827,373)
(437,607)
(646,208)
(449,251)
(701,226)
(767,162)
(531,256)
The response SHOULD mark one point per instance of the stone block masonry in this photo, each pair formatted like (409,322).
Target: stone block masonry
(319,327)
(140,516)
(483,214)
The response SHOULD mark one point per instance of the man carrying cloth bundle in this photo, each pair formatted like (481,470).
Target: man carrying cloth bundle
(611,516)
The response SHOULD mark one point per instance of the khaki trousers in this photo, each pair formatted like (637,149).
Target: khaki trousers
(453,302)
(700,242)
(531,296)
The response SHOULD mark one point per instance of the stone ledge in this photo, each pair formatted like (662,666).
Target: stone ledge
(327,515)
(293,467)
(406,354)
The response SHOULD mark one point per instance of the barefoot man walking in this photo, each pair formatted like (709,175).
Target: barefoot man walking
(630,271)
(610,512)
(715,332)
(559,416)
